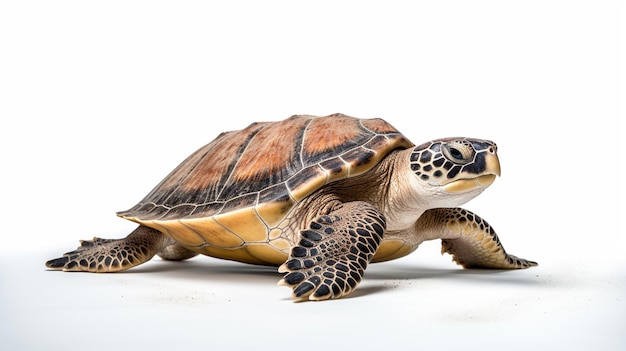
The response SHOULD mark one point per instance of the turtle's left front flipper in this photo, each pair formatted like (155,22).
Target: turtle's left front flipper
(331,257)
(470,240)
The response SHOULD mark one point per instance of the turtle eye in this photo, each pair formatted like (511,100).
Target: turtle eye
(455,153)
(458,152)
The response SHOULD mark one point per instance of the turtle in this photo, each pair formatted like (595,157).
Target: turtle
(318,197)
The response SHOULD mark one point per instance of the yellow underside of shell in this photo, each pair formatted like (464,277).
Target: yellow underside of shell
(240,236)
(392,249)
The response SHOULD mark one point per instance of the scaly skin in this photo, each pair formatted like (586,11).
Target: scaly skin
(113,255)
(333,253)
(470,240)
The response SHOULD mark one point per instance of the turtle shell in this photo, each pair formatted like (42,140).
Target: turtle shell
(233,197)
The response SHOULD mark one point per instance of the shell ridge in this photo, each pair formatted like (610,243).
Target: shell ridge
(233,165)
(300,141)
(365,128)
(303,142)
(212,197)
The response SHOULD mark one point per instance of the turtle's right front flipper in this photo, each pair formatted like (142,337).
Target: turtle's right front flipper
(112,255)
(331,257)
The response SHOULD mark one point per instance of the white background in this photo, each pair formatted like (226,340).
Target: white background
(100,100)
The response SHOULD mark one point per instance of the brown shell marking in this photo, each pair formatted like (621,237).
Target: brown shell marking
(226,198)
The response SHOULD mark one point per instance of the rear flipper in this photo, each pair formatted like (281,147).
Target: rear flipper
(113,255)
(175,252)
(470,240)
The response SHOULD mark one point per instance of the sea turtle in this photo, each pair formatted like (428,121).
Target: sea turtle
(321,197)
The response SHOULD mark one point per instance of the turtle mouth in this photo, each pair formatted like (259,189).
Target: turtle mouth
(463,185)
(492,170)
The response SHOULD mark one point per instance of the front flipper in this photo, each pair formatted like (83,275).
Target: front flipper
(112,255)
(331,257)
(470,240)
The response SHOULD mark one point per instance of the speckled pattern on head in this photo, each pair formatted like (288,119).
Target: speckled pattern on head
(432,161)
(244,184)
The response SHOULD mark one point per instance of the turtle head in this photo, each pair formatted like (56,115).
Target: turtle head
(456,165)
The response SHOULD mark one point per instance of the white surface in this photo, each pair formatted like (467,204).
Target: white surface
(99,101)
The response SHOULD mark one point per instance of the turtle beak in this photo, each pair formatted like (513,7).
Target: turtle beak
(492,170)
(492,164)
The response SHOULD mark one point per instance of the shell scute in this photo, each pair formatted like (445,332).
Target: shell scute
(172,214)
(205,174)
(213,207)
(329,137)
(274,205)
(243,201)
(378,142)
(306,181)
(211,232)
(179,232)
(359,160)
(379,125)
(153,211)
(143,208)
(244,224)
(268,254)
(335,168)
(271,157)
